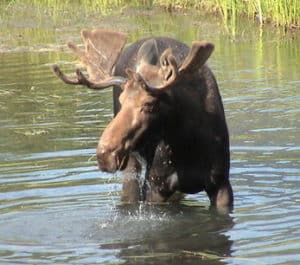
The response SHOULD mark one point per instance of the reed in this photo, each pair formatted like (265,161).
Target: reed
(279,12)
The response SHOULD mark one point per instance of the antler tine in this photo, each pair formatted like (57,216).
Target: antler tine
(110,81)
(82,80)
(63,77)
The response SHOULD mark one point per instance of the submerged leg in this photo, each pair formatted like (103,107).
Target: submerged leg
(131,187)
(221,195)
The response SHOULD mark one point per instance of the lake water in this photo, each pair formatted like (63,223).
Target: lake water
(56,207)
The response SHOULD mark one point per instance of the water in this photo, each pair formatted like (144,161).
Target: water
(56,207)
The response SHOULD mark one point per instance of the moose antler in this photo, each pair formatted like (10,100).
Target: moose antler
(169,73)
(102,50)
(81,79)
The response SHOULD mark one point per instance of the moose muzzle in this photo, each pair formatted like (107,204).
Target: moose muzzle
(111,160)
(114,146)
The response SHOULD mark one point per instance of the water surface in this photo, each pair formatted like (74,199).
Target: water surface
(56,207)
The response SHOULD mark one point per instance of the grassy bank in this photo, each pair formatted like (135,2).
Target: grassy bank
(278,12)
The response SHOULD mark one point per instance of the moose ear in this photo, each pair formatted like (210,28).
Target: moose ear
(132,74)
(168,73)
(197,57)
(148,52)
(102,50)
(129,73)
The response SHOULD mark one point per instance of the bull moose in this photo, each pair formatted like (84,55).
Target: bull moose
(168,113)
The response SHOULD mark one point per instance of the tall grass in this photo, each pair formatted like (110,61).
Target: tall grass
(278,12)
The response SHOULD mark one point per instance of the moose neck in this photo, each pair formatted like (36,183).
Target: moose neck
(187,112)
(197,117)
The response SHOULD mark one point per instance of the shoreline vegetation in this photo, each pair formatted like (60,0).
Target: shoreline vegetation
(276,12)
(280,13)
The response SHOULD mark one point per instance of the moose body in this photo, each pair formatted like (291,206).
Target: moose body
(168,111)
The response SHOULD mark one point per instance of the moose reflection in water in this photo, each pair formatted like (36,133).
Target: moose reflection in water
(168,110)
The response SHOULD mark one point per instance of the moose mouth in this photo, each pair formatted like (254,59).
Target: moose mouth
(122,162)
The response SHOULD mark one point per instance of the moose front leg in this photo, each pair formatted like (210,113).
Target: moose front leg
(131,191)
(161,178)
(162,188)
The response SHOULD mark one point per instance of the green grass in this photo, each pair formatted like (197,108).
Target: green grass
(278,12)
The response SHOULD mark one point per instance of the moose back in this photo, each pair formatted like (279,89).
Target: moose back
(168,111)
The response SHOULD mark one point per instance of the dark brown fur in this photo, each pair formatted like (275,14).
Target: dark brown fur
(190,137)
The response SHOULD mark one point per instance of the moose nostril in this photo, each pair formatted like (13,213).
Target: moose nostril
(104,153)
(107,159)
(101,150)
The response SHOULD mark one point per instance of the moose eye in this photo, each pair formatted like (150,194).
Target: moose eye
(149,107)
